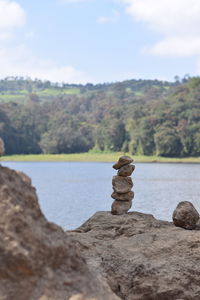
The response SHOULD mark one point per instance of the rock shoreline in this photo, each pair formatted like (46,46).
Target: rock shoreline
(131,256)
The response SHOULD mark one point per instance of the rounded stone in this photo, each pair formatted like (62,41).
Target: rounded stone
(126,170)
(123,160)
(185,215)
(121,184)
(123,197)
(120,207)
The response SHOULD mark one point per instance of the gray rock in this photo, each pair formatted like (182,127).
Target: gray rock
(38,261)
(121,184)
(185,215)
(142,258)
(123,160)
(123,197)
(126,170)
(120,207)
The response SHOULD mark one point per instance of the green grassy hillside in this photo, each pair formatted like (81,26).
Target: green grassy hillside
(142,117)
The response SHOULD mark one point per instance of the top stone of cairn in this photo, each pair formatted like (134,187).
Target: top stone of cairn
(123,160)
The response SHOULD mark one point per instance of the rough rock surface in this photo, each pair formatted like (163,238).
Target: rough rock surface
(123,160)
(37,260)
(185,215)
(123,197)
(142,258)
(126,170)
(122,185)
(24,177)
(120,207)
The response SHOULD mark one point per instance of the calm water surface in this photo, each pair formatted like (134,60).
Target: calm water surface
(71,192)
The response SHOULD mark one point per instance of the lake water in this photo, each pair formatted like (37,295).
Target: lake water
(71,192)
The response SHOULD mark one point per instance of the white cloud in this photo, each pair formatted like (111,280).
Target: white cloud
(175,46)
(114,18)
(167,16)
(30,34)
(103,20)
(12,16)
(4,36)
(20,61)
(177,20)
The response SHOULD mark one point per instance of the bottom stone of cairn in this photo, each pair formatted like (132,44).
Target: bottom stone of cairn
(120,207)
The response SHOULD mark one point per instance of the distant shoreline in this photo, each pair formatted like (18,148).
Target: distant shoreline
(95,157)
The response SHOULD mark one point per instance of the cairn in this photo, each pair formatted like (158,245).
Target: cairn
(122,185)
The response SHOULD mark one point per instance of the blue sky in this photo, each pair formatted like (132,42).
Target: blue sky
(99,40)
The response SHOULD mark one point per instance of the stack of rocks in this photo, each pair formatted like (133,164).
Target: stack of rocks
(122,185)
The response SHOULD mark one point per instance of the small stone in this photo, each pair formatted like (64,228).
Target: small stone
(123,197)
(121,184)
(120,207)
(123,160)
(185,215)
(126,170)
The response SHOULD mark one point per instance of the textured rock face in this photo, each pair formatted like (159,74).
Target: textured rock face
(37,260)
(24,177)
(185,215)
(142,258)
(123,160)
(126,170)
(122,185)
(123,197)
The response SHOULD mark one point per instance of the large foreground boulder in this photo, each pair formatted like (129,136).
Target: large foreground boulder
(142,258)
(38,261)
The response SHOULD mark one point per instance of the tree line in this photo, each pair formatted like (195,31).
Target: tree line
(148,117)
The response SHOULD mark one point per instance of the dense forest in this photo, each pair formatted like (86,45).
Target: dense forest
(147,117)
